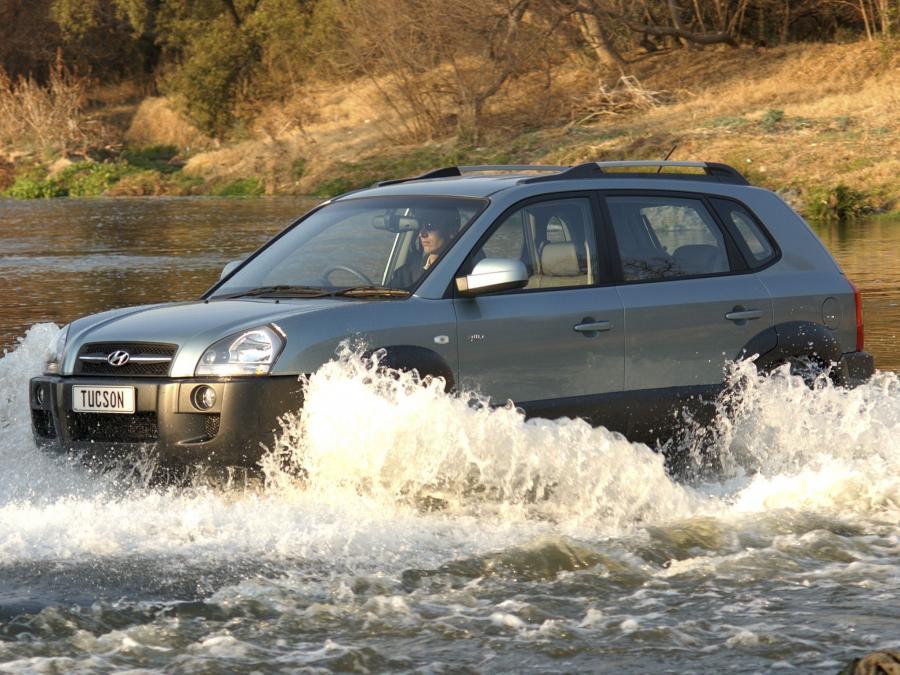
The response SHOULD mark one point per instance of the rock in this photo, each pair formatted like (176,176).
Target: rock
(885,662)
(59,166)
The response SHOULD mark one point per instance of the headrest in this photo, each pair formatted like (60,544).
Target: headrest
(560,260)
(700,259)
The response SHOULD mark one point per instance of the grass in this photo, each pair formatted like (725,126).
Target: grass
(159,158)
(242,187)
(136,172)
(839,204)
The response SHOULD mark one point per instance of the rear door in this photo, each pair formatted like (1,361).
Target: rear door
(558,345)
(690,301)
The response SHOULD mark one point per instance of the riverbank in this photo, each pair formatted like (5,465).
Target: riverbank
(818,123)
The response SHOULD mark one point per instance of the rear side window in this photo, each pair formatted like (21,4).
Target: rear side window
(756,244)
(662,237)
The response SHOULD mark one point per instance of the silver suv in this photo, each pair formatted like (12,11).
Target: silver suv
(612,291)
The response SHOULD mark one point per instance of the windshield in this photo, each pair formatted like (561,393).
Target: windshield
(365,244)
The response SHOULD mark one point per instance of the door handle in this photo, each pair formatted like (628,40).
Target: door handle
(741,314)
(593,326)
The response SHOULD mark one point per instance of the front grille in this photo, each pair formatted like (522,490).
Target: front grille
(109,428)
(132,368)
(43,423)
(212,425)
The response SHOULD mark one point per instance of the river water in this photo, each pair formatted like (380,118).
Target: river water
(385,558)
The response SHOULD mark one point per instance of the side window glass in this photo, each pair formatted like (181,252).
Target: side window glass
(666,237)
(755,241)
(508,241)
(554,239)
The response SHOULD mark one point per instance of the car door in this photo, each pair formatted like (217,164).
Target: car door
(690,302)
(555,347)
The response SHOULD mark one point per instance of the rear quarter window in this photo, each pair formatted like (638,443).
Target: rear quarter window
(755,243)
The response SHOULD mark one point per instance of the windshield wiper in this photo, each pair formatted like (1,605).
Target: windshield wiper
(277,291)
(370,292)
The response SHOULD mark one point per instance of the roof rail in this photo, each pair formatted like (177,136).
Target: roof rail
(714,171)
(452,171)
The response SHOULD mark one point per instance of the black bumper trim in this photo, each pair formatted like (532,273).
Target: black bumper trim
(232,432)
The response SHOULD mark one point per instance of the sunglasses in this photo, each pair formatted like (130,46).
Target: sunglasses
(428,228)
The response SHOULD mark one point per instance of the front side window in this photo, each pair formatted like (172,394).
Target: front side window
(382,242)
(555,240)
(666,237)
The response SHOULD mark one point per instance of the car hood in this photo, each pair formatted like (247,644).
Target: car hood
(193,326)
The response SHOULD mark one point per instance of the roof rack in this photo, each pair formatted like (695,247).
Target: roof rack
(714,171)
(455,171)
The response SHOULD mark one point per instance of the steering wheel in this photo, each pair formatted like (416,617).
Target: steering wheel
(343,268)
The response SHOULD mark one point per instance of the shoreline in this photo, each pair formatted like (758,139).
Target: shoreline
(816,123)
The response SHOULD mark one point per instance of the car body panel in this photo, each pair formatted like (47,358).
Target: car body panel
(520,346)
(677,330)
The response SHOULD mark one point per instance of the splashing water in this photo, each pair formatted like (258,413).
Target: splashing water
(388,503)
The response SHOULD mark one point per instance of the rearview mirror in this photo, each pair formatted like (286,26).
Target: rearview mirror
(229,268)
(493,274)
(395,223)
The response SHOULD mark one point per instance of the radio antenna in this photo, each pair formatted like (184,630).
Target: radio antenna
(669,154)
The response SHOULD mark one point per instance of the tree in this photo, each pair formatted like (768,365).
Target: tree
(439,62)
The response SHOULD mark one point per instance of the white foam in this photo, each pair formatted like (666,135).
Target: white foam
(406,475)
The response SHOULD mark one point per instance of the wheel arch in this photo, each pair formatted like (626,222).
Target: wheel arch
(426,362)
(783,342)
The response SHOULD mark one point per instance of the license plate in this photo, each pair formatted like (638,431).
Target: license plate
(103,399)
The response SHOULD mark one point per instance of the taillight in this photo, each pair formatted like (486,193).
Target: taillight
(857,298)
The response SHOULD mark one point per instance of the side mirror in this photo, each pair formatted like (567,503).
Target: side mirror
(493,274)
(229,268)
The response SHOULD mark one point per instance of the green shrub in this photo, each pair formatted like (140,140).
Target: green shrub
(92,179)
(771,119)
(838,204)
(298,168)
(31,187)
(243,187)
(155,158)
(727,121)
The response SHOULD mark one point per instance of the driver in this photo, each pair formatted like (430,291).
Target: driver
(437,227)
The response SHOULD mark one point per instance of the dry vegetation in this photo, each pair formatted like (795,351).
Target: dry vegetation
(48,119)
(332,94)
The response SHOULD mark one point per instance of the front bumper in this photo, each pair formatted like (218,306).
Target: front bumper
(231,433)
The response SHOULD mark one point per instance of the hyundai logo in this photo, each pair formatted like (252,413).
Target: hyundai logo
(118,358)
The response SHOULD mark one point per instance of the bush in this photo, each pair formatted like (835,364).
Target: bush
(839,204)
(33,184)
(155,158)
(49,119)
(243,187)
(92,179)
(771,119)
(84,179)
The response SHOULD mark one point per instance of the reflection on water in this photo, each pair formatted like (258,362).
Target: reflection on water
(61,259)
(868,251)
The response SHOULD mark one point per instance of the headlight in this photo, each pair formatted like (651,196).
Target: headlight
(55,354)
(249,353)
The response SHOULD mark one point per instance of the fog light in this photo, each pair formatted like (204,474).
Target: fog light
(203,397)
(39,395)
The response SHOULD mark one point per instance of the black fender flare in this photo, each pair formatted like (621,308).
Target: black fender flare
(790,340)
(426,362)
